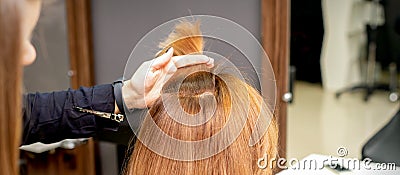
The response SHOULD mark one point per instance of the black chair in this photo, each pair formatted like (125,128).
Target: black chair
(384,146)
(383,47)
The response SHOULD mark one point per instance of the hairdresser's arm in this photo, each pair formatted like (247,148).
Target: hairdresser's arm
(50,117)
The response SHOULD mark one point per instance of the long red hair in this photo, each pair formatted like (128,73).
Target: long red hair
(196,94)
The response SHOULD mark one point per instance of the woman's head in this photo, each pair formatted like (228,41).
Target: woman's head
(198,104)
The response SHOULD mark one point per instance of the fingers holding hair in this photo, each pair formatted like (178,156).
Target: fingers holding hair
(190,60)
(162,60)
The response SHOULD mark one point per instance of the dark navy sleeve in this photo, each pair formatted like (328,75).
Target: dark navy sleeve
(50,117)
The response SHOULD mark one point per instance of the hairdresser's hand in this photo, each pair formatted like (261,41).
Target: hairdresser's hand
(145,86)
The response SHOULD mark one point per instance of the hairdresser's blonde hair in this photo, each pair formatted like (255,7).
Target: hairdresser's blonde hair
(237,158)
(10,85)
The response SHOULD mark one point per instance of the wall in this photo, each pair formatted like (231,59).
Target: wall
(50,70)
(344,43)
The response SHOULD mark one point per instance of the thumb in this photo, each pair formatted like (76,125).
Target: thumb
(163,60)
